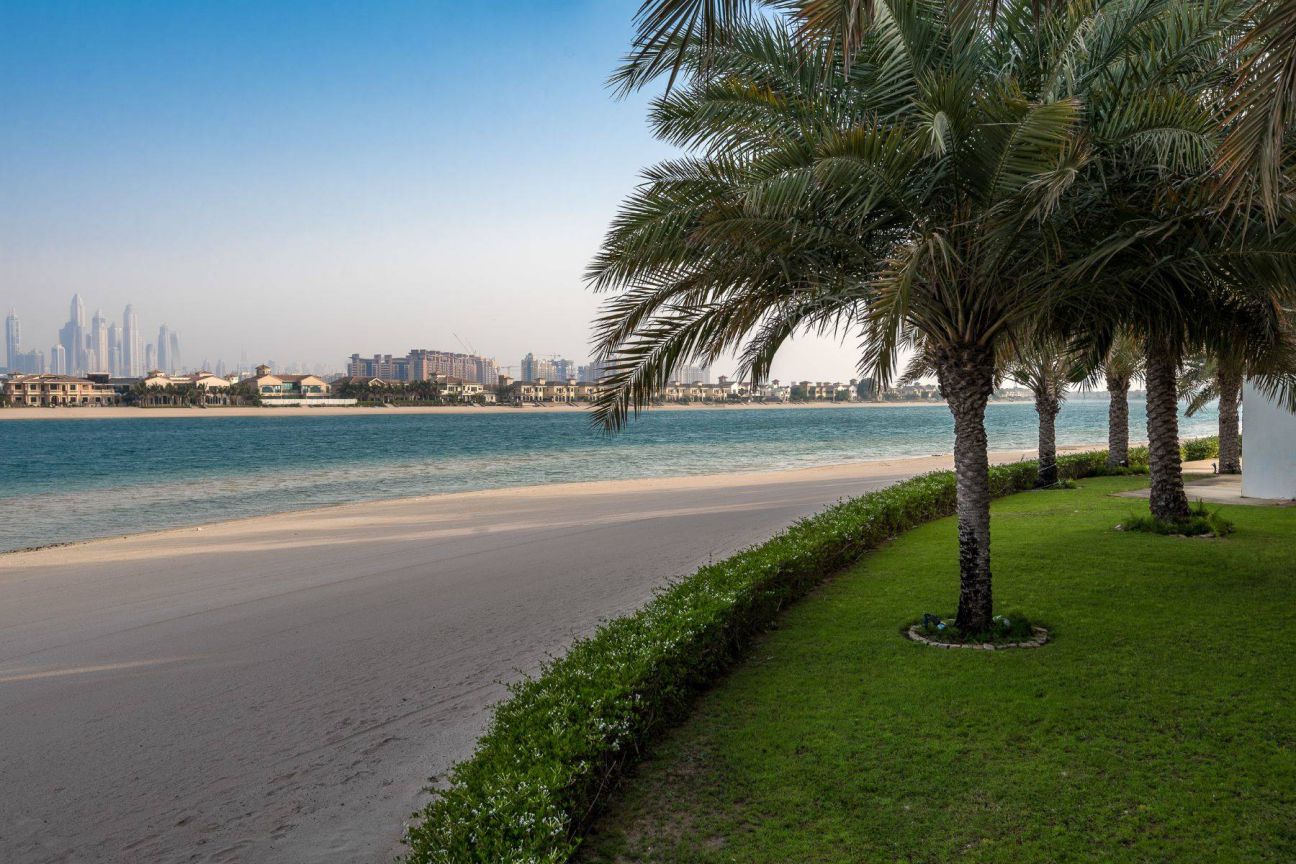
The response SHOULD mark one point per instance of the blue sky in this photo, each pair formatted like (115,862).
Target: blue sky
(298,181)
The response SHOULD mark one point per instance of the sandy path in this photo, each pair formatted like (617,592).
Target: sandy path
(279,689)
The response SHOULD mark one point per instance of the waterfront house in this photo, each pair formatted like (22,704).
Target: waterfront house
(57,390)
(459,390)
(543,390)
(272,386)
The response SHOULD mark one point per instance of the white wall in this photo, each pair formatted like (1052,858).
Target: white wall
(275,402)
(1268,448)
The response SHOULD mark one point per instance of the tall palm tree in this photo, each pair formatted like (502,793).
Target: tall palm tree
(1250,341)
(1176,259)
(1123,362)
(1185,279)
(1204,379)
(1045,366)
(899,176)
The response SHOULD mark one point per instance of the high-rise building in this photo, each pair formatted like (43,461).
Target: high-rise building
(150,359)
(692,374)
(535,368)
(30,363)
(422,364)
(98,361)
(132,344)
(383,366)
(563,369)
(173,354)
(13,341)
(115,351)
(164,349)
(73,337)
(58,360)
(591,373)
(67,341)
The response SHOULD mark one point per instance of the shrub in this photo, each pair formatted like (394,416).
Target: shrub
(558,744)
(1189,451)
(1012,627)
(1200,448)
(1200,522)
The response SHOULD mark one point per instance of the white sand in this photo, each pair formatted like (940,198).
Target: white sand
(280,688)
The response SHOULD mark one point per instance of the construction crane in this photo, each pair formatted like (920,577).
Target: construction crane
(466,346)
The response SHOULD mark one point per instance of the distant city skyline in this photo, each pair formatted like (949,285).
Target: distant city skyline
(106,346)
(302,187)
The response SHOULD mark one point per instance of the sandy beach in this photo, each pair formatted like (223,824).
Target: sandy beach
(281,688)
(118,412)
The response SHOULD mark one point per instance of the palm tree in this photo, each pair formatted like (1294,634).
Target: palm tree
(1045,366)
(1255,342)
(1185,279)
(1123,362)
(897,176)
(1204,379)
(1177,260)
(1262,107)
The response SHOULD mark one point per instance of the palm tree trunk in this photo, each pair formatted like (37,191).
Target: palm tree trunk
(967,380)
(1167,496)
(1230,439)
(1047,406)
(1118,422)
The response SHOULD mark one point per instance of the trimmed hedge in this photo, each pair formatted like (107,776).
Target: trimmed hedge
(557,746)
(1190,450)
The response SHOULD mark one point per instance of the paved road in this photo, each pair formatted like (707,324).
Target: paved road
(280,689)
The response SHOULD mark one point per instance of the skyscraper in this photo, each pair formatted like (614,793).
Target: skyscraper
(132,344)
(563,369)
(98,360)
(67,341)
(114,351)
(13,342)
(58,360)
(164,349)
(534,368)
(150,359)
(73,337)
(173,354)
(30,363)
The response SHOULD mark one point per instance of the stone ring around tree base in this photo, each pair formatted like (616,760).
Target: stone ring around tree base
(1040,637)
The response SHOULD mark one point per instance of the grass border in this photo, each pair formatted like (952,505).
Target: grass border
(558,745)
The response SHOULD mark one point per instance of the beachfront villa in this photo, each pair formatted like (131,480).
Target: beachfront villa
(276,387)
(46,391)
(543,390)
(203,380)
(459,390)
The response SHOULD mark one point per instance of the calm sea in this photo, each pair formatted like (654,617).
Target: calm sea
(66,480)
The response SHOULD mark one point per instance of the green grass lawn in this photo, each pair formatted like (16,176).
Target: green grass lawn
(1158,726)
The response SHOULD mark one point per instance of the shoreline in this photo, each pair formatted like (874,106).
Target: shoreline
(122,412)
(382,512)
(294,680)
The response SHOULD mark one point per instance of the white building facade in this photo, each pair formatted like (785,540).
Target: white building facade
(1268,447)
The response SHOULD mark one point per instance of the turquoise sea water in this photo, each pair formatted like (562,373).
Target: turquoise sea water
(66,480)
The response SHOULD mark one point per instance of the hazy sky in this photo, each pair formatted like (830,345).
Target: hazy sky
(299,181)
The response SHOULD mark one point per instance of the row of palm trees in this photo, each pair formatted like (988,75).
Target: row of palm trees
(992,188)
(185,394)
(390,391)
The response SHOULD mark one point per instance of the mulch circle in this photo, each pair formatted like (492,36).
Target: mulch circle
(1041,637)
